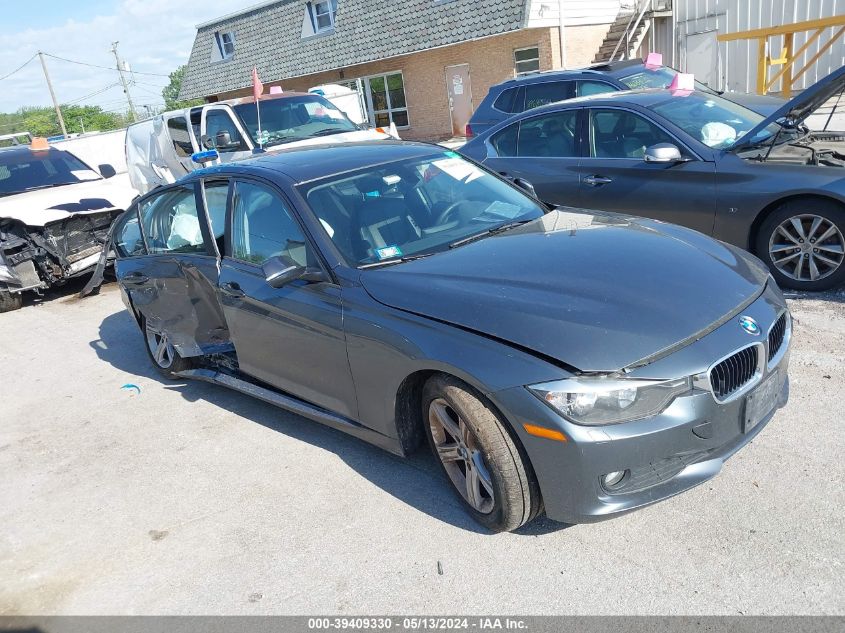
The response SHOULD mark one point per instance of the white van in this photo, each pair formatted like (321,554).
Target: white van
(159,150)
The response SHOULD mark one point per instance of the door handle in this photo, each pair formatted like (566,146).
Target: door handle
(232,289)
(135,279)
(597,181)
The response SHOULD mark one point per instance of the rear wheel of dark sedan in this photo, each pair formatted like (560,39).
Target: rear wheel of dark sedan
(165,358)
(478,454)
(803,243)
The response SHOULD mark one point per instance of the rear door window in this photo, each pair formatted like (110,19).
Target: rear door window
(504,141)
(537,95)
(552,135)
(509,101)
(171,222)
(129,241)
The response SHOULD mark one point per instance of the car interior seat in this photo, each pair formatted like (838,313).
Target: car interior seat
(383,221)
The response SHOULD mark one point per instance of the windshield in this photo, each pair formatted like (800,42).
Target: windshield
(657,78)
(22,171)
(714,121)
(289,119)
(414,207)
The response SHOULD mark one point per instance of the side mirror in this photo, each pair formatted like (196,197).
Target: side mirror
(662,153)
(223,139)
(526,186)
(107,171)
(280,271)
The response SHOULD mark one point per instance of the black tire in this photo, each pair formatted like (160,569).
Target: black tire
(10,301)
(173,364)
(803,209)
(515,498)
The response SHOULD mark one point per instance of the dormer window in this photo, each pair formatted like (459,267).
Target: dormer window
(223,46)
(322,14)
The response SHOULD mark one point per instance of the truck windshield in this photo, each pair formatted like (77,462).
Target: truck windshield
(25,170)
(288,119)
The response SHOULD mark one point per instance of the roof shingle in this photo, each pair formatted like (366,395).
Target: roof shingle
(269,37)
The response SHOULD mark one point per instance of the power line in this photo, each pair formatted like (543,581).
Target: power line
(18,68)
(93,94)
(134,72)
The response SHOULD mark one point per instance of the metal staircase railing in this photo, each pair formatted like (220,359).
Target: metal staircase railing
(633,24)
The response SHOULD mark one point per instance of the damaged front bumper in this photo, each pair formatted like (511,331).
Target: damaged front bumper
(36,258)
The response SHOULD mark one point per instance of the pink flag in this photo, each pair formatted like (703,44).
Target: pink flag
(257,86)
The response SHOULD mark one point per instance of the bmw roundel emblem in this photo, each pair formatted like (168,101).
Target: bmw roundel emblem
(749,325)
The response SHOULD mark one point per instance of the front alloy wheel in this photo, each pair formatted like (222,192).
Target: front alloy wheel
(459,452)
(476,449)
(803,242)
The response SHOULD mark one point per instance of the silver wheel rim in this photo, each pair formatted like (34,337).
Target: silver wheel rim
(807,247)
(160,347)
(459,451)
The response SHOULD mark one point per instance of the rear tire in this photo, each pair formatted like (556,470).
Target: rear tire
(163,355)
(788,242)
(483,462)
(10,301)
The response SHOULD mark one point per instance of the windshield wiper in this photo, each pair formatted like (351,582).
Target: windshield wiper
(329,130)
(493,231)
(397,260)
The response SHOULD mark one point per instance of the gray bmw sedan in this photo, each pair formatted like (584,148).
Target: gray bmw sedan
(582,363)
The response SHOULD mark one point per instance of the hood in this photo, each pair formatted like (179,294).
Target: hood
(344,137)
(799,107)
(761,104)
(598,292)
(42,206)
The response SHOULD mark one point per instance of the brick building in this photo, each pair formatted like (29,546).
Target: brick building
(421,64)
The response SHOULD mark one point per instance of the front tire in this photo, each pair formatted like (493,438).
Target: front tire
(803,243)
(10,301)
(481,459)
(163,355)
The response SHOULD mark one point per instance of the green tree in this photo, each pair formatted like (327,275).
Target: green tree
(171,91)
(42,121)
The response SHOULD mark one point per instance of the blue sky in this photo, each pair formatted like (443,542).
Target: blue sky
(155,36)
(45,12)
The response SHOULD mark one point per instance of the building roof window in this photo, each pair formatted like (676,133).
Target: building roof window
(222,46)
(319,18)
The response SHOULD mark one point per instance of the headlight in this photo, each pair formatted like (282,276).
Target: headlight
(602,400)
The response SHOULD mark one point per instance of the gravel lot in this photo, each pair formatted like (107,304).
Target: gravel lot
(189,499)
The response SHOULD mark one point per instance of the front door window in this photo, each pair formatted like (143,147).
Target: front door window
(263,227)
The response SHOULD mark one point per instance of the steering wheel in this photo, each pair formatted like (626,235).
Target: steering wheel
(444,216)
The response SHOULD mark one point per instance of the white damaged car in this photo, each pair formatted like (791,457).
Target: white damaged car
(55,215)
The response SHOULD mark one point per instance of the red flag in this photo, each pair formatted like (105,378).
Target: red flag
(257,86)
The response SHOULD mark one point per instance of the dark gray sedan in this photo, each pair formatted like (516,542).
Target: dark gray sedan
(585,363)
(768,185)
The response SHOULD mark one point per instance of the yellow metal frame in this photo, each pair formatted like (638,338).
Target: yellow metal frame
(788,55)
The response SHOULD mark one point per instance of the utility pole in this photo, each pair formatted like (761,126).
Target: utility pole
(123,81)
(53,95)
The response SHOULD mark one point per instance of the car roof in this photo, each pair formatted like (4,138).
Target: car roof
(303,164)
(604,69)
